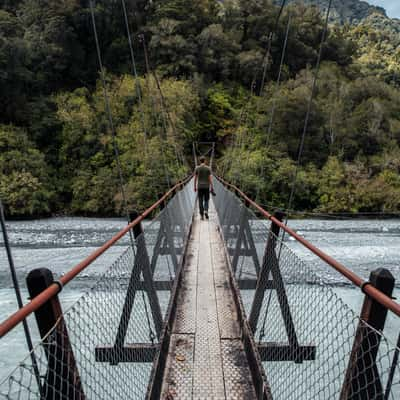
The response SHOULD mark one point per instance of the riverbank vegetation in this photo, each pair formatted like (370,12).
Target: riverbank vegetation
(57,153)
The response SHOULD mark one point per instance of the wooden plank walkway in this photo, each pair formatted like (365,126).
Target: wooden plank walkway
(206,359)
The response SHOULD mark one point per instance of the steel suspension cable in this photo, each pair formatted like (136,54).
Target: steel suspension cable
(271,36)
(135,73)
(267,56)
(110,120)
(164,108)
(265,65)
(307,117)
(239,141)
(277,86)
(19,298)
(142,117)
(309,105)
(143,41)
(147,77)
(278,81)
(137,81)
(163,118)
(115,145)
(164,111)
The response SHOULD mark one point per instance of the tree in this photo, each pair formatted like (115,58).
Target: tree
(24,180)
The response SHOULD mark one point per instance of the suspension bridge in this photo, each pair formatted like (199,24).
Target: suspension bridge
(218,309)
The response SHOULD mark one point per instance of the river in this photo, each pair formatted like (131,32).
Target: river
(59,243)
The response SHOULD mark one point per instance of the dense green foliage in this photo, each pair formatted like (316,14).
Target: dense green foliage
(57,149)
(24,179)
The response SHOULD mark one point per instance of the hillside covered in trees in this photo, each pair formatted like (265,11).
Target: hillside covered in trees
(56,148)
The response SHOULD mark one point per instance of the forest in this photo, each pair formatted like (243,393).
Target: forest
(199,77)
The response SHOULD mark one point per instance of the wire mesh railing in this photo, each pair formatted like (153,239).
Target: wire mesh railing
(103,346)
(312,344)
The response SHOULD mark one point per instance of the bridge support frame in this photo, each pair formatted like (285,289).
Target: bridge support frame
(165,242)
(121,352)
(245,237)
(270,265)
(164,245)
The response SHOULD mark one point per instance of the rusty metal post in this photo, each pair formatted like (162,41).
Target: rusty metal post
(62,379)
(362,379)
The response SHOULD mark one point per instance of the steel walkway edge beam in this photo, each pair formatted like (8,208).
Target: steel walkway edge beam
(137,352)
(145,352)
(160,358)
(284,352)
(260,381)
(244,284)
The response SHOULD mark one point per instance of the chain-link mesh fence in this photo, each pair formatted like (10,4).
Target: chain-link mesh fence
(103,347)
(313,345)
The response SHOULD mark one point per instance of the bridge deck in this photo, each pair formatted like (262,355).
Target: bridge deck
(206,358)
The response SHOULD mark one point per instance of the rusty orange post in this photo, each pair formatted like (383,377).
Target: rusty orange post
(362,379)
(62,378)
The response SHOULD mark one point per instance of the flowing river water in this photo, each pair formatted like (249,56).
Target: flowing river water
(59,243)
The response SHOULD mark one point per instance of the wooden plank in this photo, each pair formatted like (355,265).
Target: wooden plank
(202,363)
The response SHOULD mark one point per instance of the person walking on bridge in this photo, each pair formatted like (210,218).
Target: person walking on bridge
(203,184)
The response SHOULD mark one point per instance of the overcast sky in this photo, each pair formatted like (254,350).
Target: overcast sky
(391,6)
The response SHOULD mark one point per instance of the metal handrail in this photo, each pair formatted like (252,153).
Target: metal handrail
(13,320)
(365,286)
